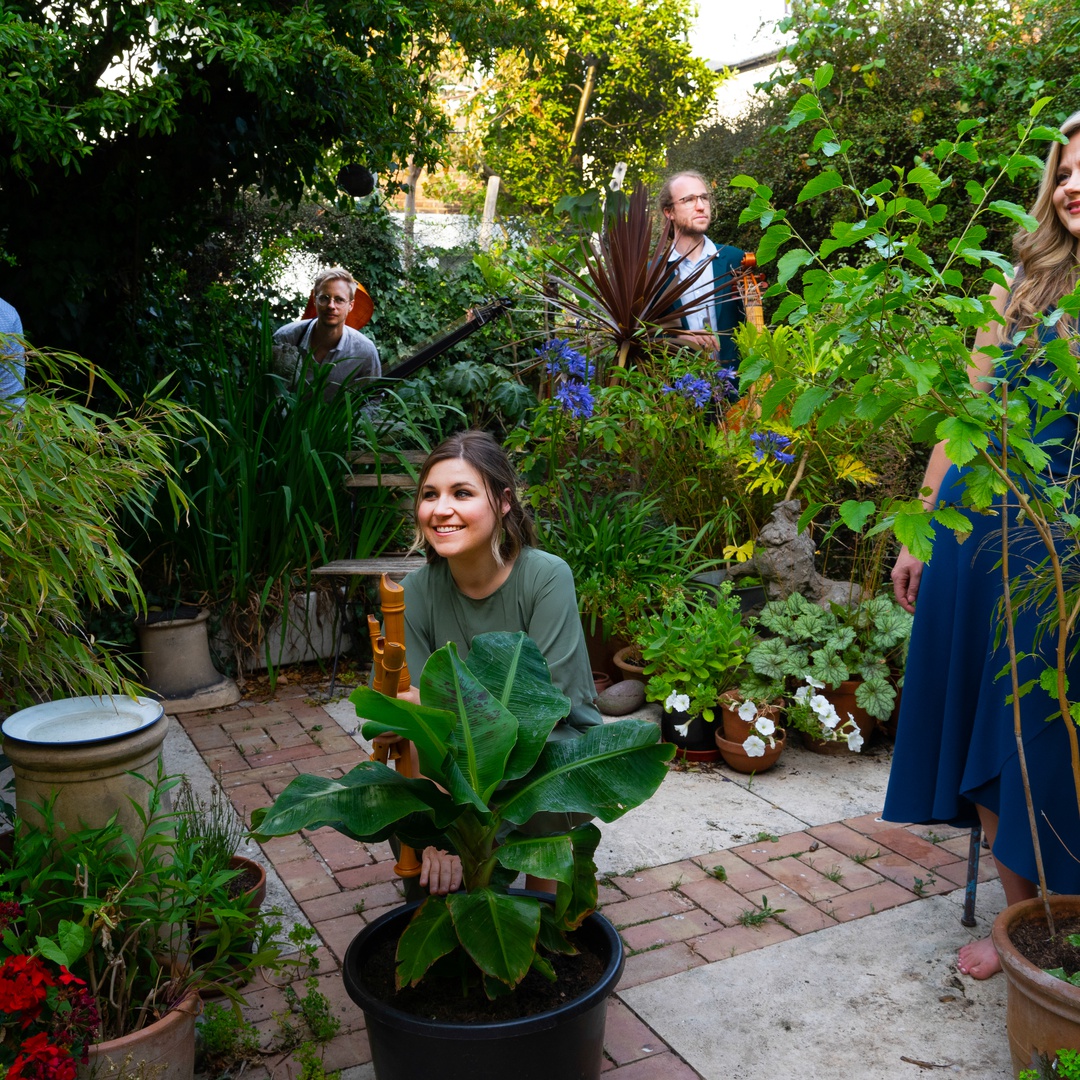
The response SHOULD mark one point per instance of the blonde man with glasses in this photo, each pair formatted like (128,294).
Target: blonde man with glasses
(327,337)
(686,202)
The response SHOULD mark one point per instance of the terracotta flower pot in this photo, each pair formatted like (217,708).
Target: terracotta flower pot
(164,1049)
(602,680)
(735,728)
(843,700)
(627,669)
(1043,1013)
(737,758)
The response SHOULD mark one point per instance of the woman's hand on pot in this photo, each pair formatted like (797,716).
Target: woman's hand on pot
(440,872)
(906,576)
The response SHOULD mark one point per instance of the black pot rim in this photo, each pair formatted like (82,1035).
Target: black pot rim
(408,1023)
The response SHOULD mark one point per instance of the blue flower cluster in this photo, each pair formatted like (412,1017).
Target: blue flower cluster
(572,392)
(560,359)
(771,442)
(727,388)
(699,391)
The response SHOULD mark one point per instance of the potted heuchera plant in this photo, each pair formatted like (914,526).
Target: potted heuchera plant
(482,738)
(825,648)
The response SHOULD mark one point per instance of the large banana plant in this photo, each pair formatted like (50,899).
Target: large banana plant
(481,735)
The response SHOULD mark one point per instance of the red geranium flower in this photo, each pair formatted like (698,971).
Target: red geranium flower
(24,984)
(38,1059)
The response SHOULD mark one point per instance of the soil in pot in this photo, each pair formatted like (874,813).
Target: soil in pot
(534,994)
(1034,943)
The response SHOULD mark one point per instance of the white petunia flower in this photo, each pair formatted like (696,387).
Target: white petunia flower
(801,694)
(677,702)
(855,740)
(814,683)
(765,726)
(683,729)
(820,704)
(754,746)
(747,711)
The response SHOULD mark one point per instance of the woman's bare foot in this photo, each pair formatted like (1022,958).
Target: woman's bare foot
(979,959)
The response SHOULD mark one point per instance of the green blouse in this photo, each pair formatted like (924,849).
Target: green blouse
(538,597)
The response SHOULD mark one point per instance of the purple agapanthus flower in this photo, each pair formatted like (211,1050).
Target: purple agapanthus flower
(694,389)
(562,360)
(771,442)
(726,383)
(576,398)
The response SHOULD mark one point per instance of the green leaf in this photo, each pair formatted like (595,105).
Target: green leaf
(512,668)
(498,932)
(818,185)
(856,514)
(428,728)
(1015,213)
(915,532)
(541,856)
(575,901)
(790,262)
(72,942)
(963,438)
(429,936)
(807,403)
(364,803)
(481,741)
(604,773)
(823,76)
(775,237)
(1048,681)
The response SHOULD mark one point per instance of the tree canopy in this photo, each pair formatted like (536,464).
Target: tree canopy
(906,73)
(122,122)
(648,89)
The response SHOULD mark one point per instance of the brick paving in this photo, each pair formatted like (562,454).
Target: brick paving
(671,918)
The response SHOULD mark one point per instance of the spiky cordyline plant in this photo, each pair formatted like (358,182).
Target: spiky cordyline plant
(631,289)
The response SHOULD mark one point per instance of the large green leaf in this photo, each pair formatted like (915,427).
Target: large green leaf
(498,931)
(485,731)
(363,804)
(512,668)
(609,770)
(429,936)
(541,856)
(428,728)
(575,901)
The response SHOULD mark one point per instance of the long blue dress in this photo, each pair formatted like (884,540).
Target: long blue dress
(955,742)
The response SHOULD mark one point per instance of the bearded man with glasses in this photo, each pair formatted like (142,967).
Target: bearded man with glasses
(328,337)
(712,307)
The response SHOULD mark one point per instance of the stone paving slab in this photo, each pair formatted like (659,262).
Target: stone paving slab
(727,890)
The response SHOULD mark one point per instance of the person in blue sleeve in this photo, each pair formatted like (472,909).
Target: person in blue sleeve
(12,358)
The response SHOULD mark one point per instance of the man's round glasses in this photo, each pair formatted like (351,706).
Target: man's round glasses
(686,200)
(326,298)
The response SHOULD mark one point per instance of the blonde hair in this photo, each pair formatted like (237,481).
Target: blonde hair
(335,273)
(1047,257)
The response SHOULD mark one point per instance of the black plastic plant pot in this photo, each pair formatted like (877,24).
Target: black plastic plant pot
(562,1044)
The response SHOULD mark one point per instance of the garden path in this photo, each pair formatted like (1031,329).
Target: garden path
(820,989)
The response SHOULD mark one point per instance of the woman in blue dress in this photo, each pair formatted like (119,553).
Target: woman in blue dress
(956,759)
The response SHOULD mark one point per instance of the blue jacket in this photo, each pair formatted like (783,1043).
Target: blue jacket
(726,311)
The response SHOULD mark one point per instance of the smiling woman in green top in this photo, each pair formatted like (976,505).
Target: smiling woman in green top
(484,573)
